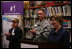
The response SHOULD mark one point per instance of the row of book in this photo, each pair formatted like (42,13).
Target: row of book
(50,11)
(28,4)
(66,23)
(60,10)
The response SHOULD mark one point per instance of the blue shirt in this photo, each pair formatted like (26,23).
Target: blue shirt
(61,36)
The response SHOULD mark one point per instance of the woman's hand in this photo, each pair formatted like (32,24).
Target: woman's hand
(7,34)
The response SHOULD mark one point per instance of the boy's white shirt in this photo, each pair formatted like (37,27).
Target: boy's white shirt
(13,32)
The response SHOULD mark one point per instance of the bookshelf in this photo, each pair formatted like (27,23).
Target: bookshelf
(61,8)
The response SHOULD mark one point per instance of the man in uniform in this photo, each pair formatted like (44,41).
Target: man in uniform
(41,29)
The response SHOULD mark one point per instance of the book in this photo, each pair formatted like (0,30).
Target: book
(56,10)
(63,11)
(69,11)
(53,11)
(59,11)
(32,3)
(27,13)
(35,13)
(38,3)
(69,23)
(31,13)
(50,11)
(25,22)
(69,2)
(44,3)
(64,1)
(26,4)
(66,10)
(66,23)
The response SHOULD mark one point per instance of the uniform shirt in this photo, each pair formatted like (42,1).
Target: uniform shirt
(43,29)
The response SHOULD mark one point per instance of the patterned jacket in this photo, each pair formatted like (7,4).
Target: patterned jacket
(43,29)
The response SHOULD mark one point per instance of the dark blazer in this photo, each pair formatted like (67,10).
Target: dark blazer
(14,39)
(61,36)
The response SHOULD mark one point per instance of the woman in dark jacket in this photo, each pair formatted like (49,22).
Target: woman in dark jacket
(14,35)
(58,34)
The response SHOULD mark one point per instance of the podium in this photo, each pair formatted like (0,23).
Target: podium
(44,45)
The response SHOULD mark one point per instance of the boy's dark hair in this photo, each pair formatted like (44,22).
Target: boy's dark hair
(57,18)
